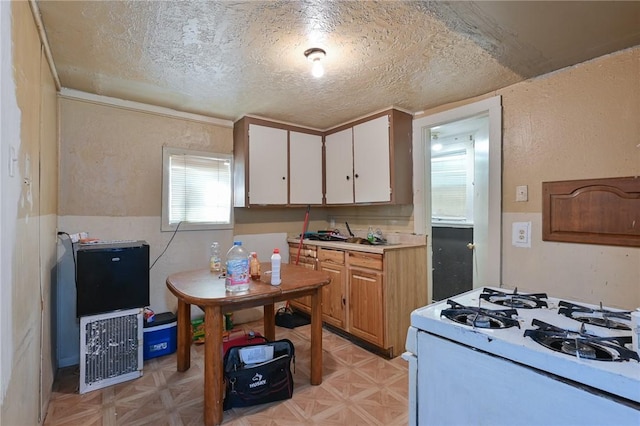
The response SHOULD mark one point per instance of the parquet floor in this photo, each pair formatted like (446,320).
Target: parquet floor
(358,388)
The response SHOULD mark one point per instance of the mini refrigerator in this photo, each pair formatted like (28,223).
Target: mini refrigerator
(111,277)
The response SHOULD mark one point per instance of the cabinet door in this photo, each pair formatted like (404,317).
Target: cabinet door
(371,166)
(333,295)
(339,167)
(267,165)
(305,166)
(366,318)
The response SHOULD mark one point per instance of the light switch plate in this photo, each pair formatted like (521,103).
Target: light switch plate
(522,193)
(521,234)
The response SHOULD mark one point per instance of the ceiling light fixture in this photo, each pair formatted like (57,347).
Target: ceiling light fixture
(315,55)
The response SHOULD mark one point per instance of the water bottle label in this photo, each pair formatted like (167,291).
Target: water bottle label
(237,272)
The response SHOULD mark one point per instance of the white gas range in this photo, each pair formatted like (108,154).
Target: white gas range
(493,356)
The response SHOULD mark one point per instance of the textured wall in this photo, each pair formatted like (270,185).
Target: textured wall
(578,123)
(29,246)
(111,158)
(582,122)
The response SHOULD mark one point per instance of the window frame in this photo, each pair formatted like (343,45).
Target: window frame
(167,152)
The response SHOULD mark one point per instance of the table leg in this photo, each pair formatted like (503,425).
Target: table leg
(316,337)
(213,368)
(269,322)
(184,336)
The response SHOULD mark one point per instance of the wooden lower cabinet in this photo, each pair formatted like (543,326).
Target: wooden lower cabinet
(333,295)
(366,302)
(383,290)
(371,295)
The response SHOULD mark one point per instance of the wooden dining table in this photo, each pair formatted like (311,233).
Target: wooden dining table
(206,289)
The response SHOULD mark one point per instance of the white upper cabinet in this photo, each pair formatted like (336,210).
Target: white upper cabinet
(368,161)
(371,167)
(358,167)
(339,167)
(268,174)
(276,164)
(305,167)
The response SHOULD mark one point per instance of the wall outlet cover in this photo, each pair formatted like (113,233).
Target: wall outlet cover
(521,234)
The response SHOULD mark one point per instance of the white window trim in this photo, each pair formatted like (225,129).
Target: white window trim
(190,226)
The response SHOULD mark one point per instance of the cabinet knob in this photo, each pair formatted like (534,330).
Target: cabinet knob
(348,177)
(471,246)
(357,176)
(283,178)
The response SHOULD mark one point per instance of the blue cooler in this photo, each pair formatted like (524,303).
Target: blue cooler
(160,336)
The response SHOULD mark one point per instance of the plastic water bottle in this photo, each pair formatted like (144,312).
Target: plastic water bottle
(276,260)
(237,268)
(215,261)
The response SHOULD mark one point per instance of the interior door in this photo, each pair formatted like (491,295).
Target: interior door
(487,187)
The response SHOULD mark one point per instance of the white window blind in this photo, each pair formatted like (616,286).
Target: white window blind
(450,188)
(197,190)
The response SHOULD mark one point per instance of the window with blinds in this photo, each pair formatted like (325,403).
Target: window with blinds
(197,191)
(452,187)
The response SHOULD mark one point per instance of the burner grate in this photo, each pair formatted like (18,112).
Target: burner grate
(617,320)
(481,317)
(515,299)
(580,344)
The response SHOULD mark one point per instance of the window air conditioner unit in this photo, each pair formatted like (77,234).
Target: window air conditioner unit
(111,348)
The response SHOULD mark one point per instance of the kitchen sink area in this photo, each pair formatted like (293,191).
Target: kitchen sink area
(391,241)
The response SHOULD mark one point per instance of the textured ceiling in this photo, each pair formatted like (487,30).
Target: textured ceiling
(226,59)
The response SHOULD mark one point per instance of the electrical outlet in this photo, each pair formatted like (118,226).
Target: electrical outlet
(521,234)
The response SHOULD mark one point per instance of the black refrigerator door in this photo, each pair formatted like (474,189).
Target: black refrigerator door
(112,277)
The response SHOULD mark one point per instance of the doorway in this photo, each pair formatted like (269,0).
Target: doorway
(480,213)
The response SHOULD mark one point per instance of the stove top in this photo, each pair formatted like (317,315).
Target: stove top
(515,299)
(481,317)
(584,351)
(582,344)
(619,320)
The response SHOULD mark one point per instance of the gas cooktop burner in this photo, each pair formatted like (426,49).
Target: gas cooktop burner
(580,344)
(515,299)
(600,317)
(480,317)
